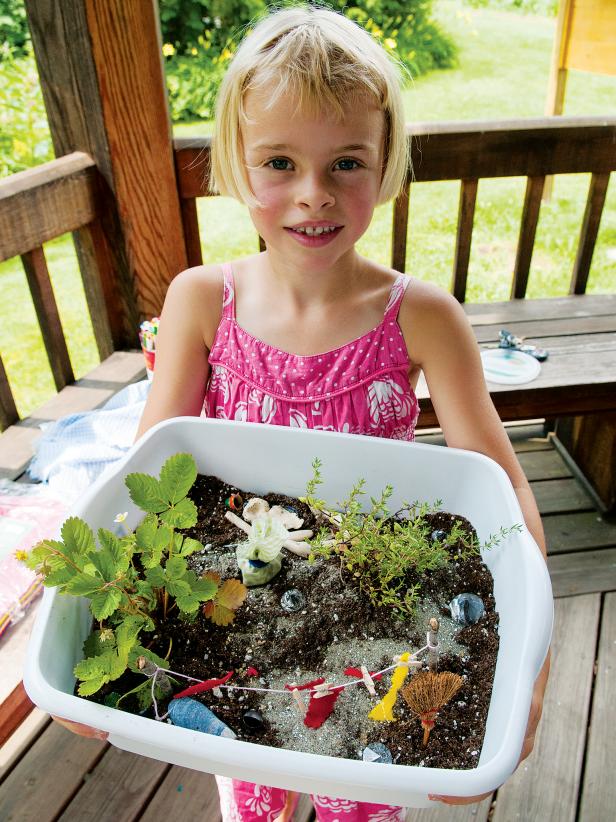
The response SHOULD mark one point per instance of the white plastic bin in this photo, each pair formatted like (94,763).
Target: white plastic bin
(267,458)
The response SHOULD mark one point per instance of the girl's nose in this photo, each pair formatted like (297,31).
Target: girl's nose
(315,192)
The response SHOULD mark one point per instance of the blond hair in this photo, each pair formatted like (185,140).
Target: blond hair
(324,60)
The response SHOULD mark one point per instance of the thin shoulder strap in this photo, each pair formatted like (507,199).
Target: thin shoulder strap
(396,294)
(228,299)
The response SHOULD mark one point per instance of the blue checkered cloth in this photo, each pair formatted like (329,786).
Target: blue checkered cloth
(76,449)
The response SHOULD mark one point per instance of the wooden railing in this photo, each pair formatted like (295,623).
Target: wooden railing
(39,205)
(69,195)
(532,148)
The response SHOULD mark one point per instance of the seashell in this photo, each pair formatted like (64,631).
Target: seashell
(255,507)
(188,713)
(289,519)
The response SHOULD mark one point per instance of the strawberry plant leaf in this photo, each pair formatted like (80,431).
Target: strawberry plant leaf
(218,614)
(231,594)
(177,477)
(175,568)
(189,546)
(104,603)
(84,585)
(183,515)
(145,491)
(78,540)
(119,553)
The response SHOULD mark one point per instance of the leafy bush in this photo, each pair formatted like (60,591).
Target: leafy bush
(14,33)
(200,39)
(24,134)
(547,7)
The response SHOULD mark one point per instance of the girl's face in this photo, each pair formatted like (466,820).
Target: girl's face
(317,178)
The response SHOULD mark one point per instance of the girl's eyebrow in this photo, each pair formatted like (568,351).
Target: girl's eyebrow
(285,147)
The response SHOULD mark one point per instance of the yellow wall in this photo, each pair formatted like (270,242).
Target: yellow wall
(590,36)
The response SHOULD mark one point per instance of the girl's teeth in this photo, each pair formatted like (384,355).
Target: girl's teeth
(318,230)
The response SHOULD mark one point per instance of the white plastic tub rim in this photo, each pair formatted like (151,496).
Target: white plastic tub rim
(266,458)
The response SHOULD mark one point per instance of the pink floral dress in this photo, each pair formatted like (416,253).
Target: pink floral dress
(361,388)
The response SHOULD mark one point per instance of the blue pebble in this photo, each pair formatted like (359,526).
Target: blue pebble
(466,609)
(377,752)
(188,713)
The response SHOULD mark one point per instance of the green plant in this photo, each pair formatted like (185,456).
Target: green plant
(25,140)
(387,553)
(134,581)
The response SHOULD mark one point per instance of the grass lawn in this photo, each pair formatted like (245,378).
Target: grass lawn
(502,73)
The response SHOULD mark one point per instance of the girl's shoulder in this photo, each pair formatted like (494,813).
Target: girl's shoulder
(196,294)
(427,313)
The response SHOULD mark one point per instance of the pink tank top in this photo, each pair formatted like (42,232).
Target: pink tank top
(360,388)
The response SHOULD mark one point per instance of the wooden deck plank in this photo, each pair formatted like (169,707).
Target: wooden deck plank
(584,531)
(22,739)
(560,495)
(582,573)
(598,793)
(543,465)
(184,794)
(572,306)
(40,785)
(116,789)
(545,787)
(451,813)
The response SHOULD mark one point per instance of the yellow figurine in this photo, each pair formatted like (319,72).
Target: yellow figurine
(383,711)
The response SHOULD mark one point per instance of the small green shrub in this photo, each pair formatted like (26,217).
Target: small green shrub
(546,7)
(387,554)
(134,581)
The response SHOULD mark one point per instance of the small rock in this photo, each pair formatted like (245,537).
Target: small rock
(438,535)
(466,609)
(253,720)
(292,600)
(377,752)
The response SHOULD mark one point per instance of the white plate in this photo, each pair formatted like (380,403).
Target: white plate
(508,366)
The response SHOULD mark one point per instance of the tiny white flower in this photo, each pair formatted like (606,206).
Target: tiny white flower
(121,517)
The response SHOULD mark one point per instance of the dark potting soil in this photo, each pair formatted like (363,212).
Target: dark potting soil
(336,627)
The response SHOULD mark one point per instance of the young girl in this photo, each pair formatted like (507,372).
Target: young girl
(310,135)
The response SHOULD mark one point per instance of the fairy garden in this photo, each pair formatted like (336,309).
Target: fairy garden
(350,630)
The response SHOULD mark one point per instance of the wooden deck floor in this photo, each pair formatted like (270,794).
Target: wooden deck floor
(46,773)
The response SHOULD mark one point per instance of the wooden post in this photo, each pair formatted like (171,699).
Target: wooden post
(558,73)
(590,445)
(102,79)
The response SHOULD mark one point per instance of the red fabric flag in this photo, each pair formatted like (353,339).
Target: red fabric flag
(320,708)
(206,685)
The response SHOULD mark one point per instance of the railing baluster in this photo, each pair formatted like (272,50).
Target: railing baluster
(528,230)
(466,214)
(399,229)
(46,308)
(8,410)
(190,221)
(588,234)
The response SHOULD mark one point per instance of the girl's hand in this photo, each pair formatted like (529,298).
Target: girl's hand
(79,729)
(536,708)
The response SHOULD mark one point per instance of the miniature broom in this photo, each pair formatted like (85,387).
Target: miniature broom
(426,694)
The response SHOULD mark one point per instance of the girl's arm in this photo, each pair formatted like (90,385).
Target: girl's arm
(441,341)
(188,323)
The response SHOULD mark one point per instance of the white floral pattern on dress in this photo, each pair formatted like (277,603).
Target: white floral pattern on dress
(387,400)
(334,805)
(297,419)
(219,381)
(268,408)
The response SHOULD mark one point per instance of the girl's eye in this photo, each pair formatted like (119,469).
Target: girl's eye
(347,164)
(279,164)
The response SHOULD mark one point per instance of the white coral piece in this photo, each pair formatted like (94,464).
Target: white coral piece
(290,520)
(254,508)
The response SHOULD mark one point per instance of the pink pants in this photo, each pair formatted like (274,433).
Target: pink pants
(245,802)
